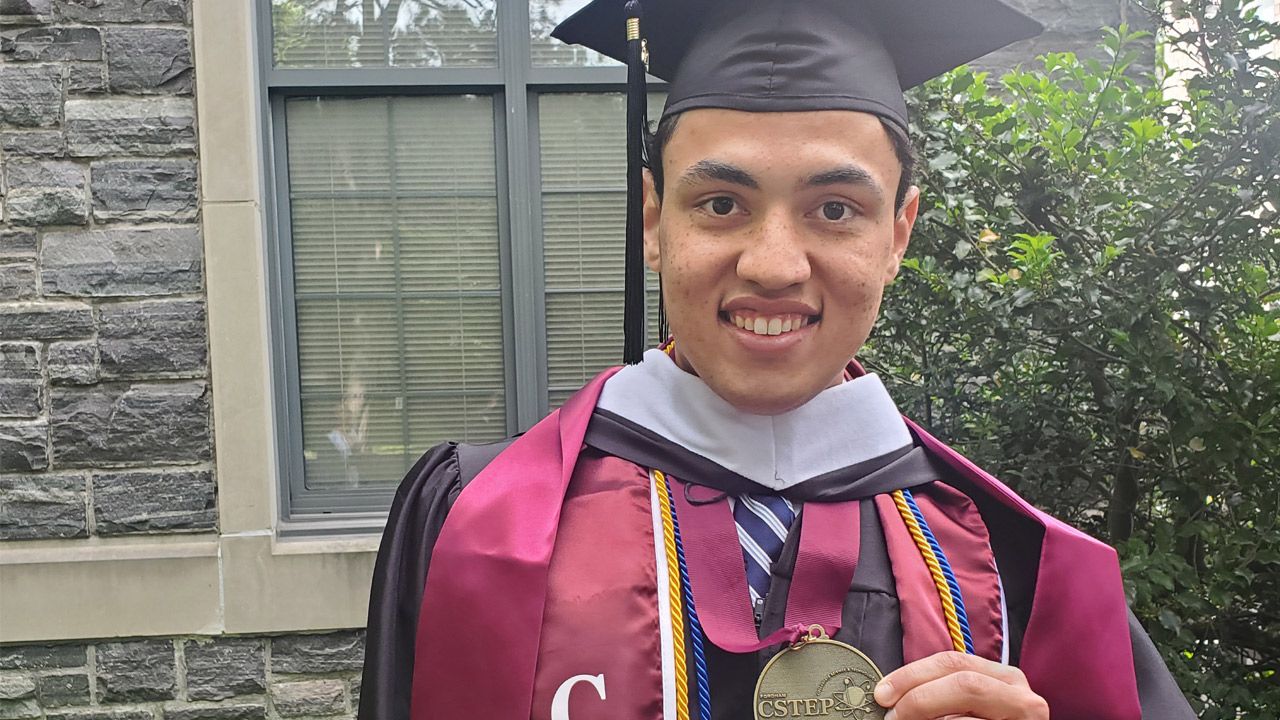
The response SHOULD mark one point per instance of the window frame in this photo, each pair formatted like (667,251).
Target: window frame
(515,86)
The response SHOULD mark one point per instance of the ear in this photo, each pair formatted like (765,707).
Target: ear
(902,225)
(652,213)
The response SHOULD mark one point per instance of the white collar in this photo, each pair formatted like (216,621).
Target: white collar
(841,426)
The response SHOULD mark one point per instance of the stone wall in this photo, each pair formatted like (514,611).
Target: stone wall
(230,678)
(104,409)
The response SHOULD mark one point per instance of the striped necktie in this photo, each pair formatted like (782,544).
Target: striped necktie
(763,521)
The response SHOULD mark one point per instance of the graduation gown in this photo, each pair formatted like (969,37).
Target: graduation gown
(871,611)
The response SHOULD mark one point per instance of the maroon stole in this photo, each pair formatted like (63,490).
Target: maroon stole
(959,528)
(543,586)
(601,615)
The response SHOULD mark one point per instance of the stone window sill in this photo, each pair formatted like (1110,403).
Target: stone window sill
(183,585)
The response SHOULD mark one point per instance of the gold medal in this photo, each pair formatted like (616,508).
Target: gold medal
(818,677)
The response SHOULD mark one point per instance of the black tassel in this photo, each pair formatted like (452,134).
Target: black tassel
(633,317)
(664,329)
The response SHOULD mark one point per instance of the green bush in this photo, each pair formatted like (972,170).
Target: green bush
(1091,308)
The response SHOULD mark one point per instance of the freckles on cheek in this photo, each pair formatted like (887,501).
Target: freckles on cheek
(862,298)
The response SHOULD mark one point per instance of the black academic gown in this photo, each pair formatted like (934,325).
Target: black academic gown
(871,620)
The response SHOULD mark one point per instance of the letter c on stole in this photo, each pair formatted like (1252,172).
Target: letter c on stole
(560,703)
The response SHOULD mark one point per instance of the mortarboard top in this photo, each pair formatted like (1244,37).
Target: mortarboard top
(789,55)
(779,56)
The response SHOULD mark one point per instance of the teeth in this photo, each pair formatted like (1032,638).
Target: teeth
(775,325)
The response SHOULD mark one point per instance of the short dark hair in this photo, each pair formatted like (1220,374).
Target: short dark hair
(657,143)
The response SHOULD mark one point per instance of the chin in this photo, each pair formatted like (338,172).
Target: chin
(750,400)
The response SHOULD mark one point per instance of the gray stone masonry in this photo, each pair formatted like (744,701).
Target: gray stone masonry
(309,698)
(152,338)
(73,362)
(144,190)
(136,671)
(122,11)
(241,711)
(45,320)
(136,127)
(336,652)
(152,501)
(136,262)
(42,657)
(88,714)
(42,506)
(105,424)
(148,60)
(33,143)
(16,687)
(228,678)
(46,44)
(86,78)
(17,243)
(63,690)
(20,12)
(24,446)
(226,668)
(18,280)
(130,424)
(20,398)
(30,95)
(20,386)
(46,192)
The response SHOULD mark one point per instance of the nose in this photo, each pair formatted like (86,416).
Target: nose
(775,257)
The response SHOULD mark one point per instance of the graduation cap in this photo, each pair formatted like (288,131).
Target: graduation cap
(777,56)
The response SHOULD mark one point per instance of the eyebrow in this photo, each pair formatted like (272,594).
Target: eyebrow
(705,170)
(845,175)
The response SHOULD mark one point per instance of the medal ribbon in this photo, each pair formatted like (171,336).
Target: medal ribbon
(829,543)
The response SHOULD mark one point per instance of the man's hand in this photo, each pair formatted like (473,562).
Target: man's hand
(956,686)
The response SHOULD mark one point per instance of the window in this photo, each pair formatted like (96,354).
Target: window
(449,199)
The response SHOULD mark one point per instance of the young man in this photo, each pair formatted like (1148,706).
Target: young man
(741,524)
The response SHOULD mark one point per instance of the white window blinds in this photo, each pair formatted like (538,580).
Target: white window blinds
(395,246)
(583,153)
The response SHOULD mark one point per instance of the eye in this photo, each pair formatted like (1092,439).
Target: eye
(721,206)
(836,211)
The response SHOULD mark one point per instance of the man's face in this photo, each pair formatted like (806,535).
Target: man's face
(775,238)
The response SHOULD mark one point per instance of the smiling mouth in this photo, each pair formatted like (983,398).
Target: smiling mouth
(769,324)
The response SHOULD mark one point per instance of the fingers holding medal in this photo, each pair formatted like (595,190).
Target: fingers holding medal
(955,685)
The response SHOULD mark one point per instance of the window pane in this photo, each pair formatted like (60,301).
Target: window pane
(544,15)
(384,33)
(583,150)
(396,281)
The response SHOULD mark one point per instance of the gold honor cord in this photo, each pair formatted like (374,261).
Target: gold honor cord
(935,570)
(673,590)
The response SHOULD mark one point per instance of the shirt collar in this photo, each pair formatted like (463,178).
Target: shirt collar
(841,426)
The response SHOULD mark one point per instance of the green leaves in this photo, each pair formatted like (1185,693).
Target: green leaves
(1092,309)
(1033,255)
